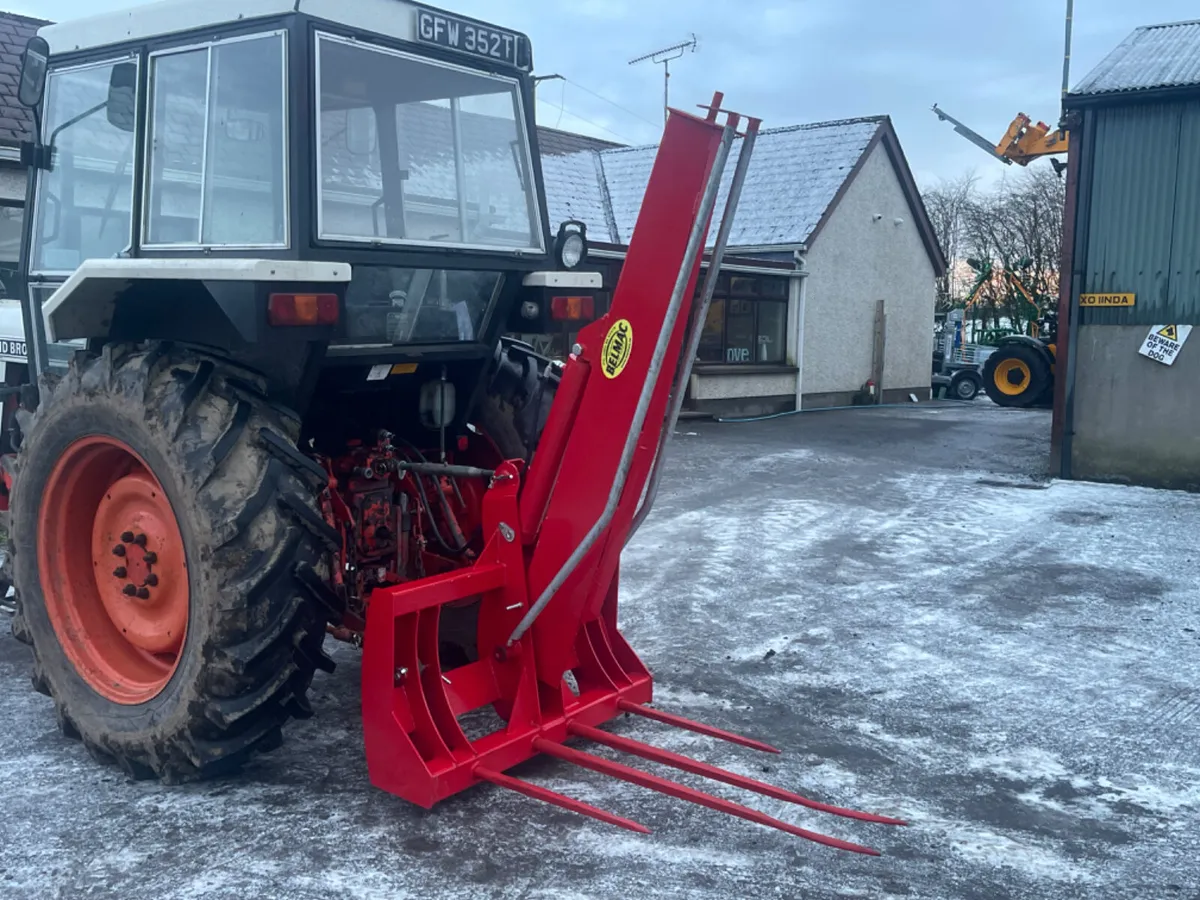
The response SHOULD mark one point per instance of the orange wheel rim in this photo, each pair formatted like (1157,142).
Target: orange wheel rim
(1012,377)
(113,569)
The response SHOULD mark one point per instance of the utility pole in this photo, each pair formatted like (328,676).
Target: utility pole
(664,56)
(1066,84)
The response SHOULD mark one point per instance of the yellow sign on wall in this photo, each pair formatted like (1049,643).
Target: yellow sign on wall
(1106,299)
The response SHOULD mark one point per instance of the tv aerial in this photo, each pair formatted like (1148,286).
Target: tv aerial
(664,57)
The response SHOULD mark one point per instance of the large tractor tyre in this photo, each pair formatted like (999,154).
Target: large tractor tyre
(1016,375)
(169,560)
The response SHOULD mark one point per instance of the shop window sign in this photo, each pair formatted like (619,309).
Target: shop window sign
(746,322)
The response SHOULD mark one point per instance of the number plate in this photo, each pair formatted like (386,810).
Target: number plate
(467,37)
(12,349)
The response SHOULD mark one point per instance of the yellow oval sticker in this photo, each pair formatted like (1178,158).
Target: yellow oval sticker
(618,344)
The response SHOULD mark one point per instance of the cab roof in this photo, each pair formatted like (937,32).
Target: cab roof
(389,18)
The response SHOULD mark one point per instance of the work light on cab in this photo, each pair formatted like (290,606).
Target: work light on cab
(570,246)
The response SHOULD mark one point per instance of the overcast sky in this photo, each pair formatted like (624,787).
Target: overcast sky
(795,61)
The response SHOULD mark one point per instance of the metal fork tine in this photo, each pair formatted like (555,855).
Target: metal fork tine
(680,722)
(682,792)
(678,761)
(557,799)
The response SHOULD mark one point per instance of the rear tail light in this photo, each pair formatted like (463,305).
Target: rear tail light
(302,309)
(569,308)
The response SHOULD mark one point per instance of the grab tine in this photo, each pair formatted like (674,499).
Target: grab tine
(682,792)
(678,761)
(680,722)
(557,799)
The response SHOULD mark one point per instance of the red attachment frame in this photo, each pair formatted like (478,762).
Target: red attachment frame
(572,670)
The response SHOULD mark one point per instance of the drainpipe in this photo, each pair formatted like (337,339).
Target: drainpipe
(796,300)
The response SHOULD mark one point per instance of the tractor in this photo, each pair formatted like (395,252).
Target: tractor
(1020,372)
(271,260)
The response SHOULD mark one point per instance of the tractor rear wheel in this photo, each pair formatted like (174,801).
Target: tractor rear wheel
(1016,375)
(166,547)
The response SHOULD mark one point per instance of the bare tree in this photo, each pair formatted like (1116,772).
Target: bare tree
(947,205)
(1015,228)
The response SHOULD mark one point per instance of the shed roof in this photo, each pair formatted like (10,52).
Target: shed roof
(796,177)
(1154,56)
(15,121)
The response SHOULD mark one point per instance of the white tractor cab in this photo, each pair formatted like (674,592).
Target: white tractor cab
(325,191)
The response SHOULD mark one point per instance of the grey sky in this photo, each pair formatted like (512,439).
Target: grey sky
(794,61)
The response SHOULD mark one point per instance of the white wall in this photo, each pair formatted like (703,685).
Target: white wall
(731,386)
(854,261)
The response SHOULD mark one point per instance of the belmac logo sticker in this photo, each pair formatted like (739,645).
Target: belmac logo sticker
(618,344)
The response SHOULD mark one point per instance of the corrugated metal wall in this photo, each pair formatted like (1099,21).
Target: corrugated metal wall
(1144,220)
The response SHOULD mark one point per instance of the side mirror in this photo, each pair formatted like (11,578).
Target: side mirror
(34,61)
(121,108)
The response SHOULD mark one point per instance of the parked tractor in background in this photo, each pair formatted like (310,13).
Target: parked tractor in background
(1020,370)
(1014,369)
(285,247)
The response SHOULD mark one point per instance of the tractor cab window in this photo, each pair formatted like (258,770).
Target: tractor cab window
(390,305)
(217,173)
(416,151)
(83,203)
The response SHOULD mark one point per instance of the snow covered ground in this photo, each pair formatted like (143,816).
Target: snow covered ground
(897,597)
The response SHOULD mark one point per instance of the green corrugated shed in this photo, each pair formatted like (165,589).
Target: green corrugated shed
(1143,218)
(1133,226)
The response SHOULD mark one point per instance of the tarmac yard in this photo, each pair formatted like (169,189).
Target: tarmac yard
(898,598)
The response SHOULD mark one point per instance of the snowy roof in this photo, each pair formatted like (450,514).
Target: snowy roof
(15,121)
(794,179)
(1154,56)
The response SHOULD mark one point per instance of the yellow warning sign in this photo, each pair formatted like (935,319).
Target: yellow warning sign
(1107,299)
(618,344)
(1170,332)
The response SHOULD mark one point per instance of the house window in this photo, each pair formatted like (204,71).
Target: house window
(746,322)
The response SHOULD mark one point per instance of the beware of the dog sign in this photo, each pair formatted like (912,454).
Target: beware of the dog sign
(1164,342)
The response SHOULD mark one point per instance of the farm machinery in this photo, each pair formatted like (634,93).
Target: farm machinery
(284,247)
(1019,369)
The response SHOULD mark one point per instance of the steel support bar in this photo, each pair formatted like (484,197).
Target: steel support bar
(682,792)
(695,247)
(692,344)
(560,800)
(699,727)
(686,764)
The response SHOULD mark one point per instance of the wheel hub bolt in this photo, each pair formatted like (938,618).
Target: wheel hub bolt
(127,537)
(143,594)
(119,550)
(140,540)
(151,579)
(131,589)
(150,558)
(119,572)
